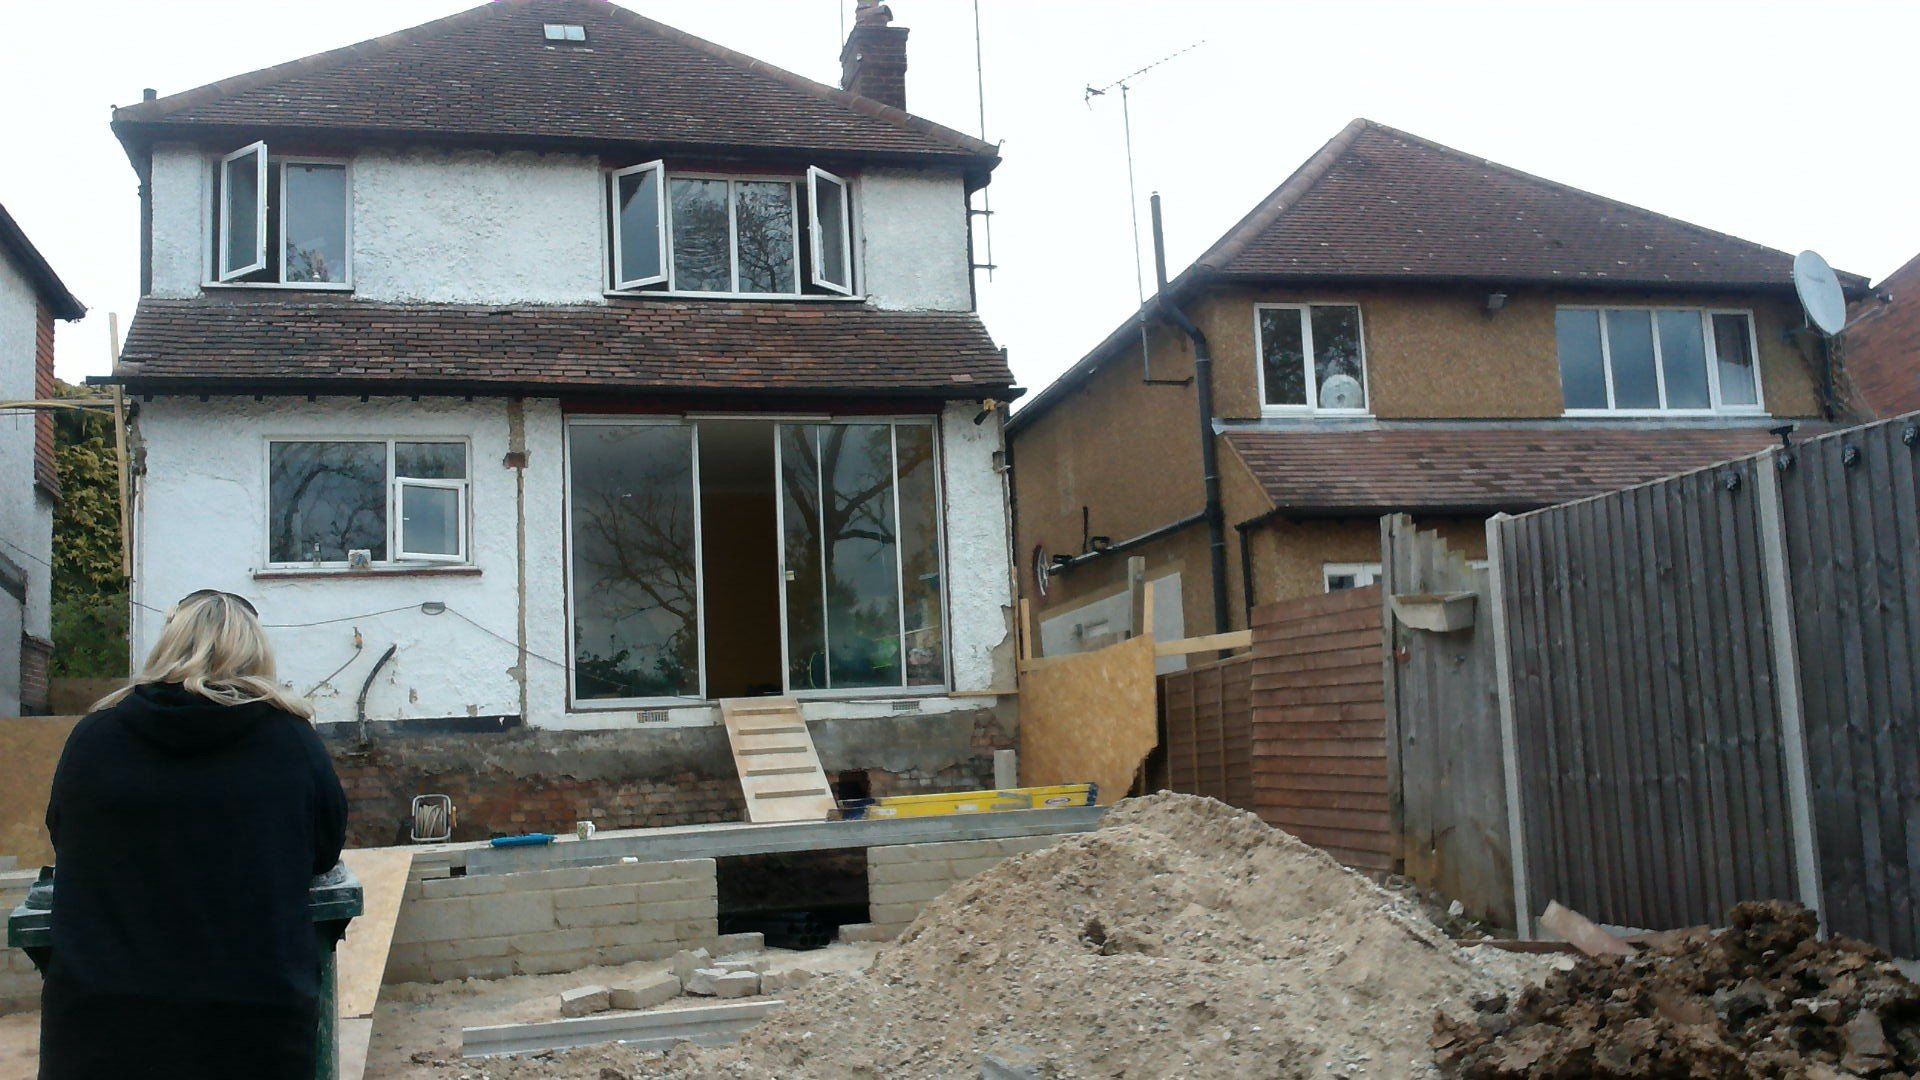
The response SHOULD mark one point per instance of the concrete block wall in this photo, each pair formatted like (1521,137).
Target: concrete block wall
(19,983)
(904,878)
(495,925)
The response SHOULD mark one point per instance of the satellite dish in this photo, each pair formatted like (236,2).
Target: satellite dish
(1342,392)
(1819,289)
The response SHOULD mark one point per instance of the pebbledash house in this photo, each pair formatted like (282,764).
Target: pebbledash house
(547,376)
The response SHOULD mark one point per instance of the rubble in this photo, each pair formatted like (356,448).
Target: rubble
(1761,997)
(646,992)
(585,1001)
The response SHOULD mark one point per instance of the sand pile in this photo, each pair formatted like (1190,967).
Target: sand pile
(1760,998)
(1182,938)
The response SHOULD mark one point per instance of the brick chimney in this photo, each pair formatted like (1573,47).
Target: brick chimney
(873,62)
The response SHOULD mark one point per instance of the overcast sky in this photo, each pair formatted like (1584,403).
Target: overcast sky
(1784,123)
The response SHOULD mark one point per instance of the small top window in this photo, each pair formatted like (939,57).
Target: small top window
(1312,358)
(565,32)
(280,221)
(1650,360)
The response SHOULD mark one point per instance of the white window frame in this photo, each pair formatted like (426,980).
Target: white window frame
(1710,351)
(659,169)
(817,276)
(217,220)
(733,237)
(574,702)
(394,556)
(1312,407)
(397,516)
(1356,570)
(227,272)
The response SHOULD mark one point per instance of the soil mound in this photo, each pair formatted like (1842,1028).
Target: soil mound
(1181,938)
(1761,997)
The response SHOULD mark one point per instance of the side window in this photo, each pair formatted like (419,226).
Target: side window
(639,236)
(1312,358)
(281,221)
(828,214)
(397,501)
(1342,576)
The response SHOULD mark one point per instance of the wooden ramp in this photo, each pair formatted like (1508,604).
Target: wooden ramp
(779,770)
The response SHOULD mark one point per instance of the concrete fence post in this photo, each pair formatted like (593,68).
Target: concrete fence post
(1498,575)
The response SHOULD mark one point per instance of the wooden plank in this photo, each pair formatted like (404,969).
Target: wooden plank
(1233,639)
(785,795)
(1901,643)
(361,957)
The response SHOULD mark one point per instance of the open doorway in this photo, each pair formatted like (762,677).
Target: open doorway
(740,552)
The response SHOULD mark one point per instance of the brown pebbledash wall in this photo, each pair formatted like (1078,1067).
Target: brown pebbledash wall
(536,780)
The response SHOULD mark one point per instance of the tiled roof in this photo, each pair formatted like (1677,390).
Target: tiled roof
(1380,203)
(15,245)
(1880,348)
(657,346)
(1471,467)
(490,74)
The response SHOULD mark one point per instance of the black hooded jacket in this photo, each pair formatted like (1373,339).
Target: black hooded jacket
(185,834)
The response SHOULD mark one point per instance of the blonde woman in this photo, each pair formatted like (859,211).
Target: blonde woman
(188,813)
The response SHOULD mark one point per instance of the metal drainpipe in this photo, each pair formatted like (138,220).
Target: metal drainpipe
(1209,453)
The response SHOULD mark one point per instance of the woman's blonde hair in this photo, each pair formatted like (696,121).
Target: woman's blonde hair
(213,646)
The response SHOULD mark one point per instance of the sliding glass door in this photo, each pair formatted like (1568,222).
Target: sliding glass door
(860,556)
(634,582)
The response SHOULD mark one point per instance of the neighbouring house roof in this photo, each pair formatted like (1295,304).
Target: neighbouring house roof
(24,255)
(1379,206)
(488,76)
(1472,468)
(1880,348)
(650,346)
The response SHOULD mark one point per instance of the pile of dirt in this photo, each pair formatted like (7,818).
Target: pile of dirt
(1181,938)
(1761,997)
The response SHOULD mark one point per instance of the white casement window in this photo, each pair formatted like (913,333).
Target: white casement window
(398,500)
(724,235)
(1312,359)
(1340,576)
(243,211)
(827,209)
(281,222)
(1644,361)
(639,210)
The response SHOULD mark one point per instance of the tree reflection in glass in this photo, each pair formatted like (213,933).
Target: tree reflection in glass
(635,584)
(327,498)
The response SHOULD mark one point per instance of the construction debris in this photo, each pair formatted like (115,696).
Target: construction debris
(646,992)
(1762,997)
(585,1001)
(1181,938)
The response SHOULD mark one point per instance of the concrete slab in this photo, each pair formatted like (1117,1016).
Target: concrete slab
(646,992)
(709,1025)
(585,1000)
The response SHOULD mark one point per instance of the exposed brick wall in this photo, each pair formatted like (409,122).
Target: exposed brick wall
(44,472)
(973,774)
(1880,351)
(36,670)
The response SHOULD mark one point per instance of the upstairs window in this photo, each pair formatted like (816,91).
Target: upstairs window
(280,221)
(396,500)
(729,235)
(1655,360)
(1311,358)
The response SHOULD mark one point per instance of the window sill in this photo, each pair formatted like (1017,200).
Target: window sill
(1281,412)
(295,573)
(783,298)
(1747,412)
(284,286)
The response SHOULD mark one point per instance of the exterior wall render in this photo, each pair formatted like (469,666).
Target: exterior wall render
(205,463)
(26,513)
(486,228)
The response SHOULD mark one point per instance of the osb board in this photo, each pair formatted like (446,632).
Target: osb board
(1089,717)
(362,956)
(30,746)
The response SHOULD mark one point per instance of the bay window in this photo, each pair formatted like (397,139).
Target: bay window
(729,235)
(280,221)
(1654,360)
(399,501)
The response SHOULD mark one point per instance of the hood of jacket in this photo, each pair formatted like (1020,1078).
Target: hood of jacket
(181,722)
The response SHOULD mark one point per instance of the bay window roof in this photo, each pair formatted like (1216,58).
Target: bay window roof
(655,346)
(490,76)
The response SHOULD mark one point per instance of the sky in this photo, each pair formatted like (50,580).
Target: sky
(1778,122)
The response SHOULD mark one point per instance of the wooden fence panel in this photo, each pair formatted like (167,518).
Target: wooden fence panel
(1850,506)
(1208,716)
(1443,728)
(1319,746)
(1648,748)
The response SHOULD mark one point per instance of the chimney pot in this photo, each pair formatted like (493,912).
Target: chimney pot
(149,94)
(873,62)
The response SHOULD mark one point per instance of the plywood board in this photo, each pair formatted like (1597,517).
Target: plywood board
(1089,717)
(362,956)
(30,746)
